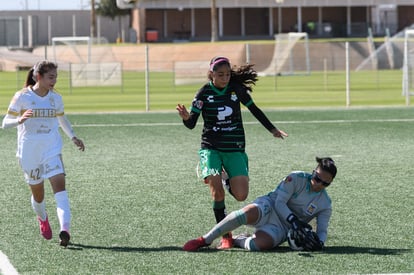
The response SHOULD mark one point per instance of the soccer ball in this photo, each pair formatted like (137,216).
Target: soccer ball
(293,243)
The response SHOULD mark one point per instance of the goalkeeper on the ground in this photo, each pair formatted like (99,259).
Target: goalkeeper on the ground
(299,198)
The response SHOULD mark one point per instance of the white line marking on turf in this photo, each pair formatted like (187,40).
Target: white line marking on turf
(5,266)
(251,122)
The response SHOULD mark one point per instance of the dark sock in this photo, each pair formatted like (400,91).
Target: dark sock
(219,209)
(228,184)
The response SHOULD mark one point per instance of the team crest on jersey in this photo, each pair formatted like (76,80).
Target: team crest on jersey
(52,101)
(198,104)
(311,209)
(233,96)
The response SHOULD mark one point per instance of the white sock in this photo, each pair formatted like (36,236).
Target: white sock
(63,210)
(39,208)
(230,222)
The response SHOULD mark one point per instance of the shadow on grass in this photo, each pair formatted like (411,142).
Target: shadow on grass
(77,246)
(282,249)
(364,250)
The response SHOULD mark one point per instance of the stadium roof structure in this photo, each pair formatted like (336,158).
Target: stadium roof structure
(265,3)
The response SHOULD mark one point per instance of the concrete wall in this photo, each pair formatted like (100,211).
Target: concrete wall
(15,27)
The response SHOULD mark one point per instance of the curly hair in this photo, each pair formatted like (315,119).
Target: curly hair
(244,75)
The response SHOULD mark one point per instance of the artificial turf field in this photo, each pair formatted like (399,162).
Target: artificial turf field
(136,199)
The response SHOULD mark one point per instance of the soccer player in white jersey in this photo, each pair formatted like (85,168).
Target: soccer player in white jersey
(37,111)
(299,198)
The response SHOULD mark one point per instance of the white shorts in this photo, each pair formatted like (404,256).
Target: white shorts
(268,221)
(35,172)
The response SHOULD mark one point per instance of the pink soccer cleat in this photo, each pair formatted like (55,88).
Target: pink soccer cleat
(194,245)
(45,229)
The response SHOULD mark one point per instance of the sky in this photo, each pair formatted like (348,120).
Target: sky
(44,5)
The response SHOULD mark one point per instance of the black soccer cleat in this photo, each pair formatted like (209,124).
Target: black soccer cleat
(64,238)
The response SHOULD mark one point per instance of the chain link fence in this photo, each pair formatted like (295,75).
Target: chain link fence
(157,76)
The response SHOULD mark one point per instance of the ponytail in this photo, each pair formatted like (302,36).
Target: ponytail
(29,79)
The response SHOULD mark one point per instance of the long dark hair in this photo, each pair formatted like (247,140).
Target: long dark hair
(40,68)
(244,75)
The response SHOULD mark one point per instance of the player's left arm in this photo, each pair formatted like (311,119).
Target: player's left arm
(67,128)
(322,222)
(261,117)
(315,241)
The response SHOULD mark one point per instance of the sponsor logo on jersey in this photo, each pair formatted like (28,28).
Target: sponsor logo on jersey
(223,112)
(210,98)
(50,169)
(225,129)
(44,113)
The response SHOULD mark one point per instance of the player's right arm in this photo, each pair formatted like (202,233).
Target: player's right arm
(190,118)
(12,120)
(13,117)
(285,191)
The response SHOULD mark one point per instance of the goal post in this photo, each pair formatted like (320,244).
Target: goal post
(408,66)
(190,72)
(85,69)
(96,74)
(290,56)
(73,42)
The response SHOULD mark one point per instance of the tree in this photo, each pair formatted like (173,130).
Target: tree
(109,8)
(93,20)
(214,36)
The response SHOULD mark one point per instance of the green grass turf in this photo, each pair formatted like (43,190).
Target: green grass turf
(136,199)
(367,88)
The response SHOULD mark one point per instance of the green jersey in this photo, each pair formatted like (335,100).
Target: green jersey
(221,111)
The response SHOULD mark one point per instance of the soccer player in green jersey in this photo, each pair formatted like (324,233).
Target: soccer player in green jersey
(299,198)
(223,137)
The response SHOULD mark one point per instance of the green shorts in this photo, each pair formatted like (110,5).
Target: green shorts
(212,162)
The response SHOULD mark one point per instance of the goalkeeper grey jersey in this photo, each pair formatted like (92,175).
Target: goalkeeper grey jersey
(294,195)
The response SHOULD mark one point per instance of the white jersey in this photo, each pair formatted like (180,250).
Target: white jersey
(43,128)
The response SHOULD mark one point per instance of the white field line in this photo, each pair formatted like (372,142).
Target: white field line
(252,122)
(6,267)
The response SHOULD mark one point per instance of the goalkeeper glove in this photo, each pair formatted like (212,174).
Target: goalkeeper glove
(296,223)
(312,242)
